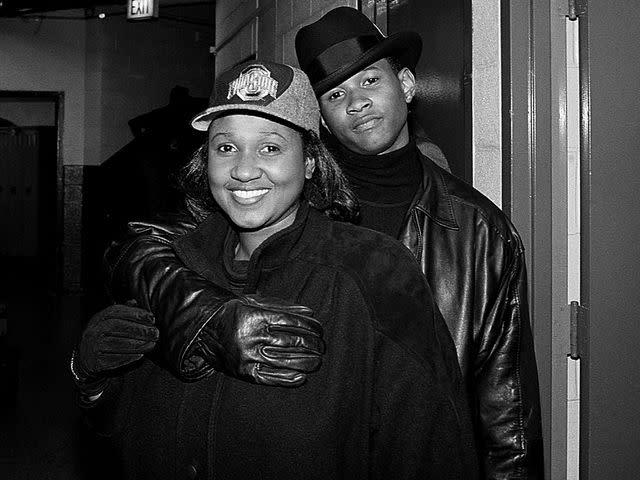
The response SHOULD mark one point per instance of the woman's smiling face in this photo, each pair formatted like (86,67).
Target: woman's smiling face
(256,171)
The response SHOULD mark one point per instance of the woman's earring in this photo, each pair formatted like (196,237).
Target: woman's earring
(309,168)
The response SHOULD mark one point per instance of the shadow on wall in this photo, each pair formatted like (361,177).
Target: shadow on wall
(136,182)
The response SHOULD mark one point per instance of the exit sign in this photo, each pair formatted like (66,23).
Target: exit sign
(142,9)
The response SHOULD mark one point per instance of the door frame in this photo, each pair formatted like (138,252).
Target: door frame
(534,105)
(454,102)
(58,98)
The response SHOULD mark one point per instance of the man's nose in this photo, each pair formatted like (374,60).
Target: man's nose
(246,168)
(358,102)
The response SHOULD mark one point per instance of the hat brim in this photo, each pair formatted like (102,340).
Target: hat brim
(203,120)
(406,47)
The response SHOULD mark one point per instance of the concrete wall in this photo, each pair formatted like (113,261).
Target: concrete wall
(487,99)
(48,55)
(110,71)
(264,28)
(130,70)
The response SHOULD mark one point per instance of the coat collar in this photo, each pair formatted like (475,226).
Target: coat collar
(433,199)
(202,249)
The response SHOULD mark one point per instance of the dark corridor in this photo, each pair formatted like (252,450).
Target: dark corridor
(40,428)
(41,431)
(40,435)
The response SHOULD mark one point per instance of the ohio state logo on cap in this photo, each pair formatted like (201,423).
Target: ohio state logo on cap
(254,83)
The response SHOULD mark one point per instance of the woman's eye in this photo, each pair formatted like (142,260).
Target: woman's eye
(226,148)
(371,80)
(270,149)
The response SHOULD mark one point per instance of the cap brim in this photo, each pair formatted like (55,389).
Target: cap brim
(202,121)
(406,47)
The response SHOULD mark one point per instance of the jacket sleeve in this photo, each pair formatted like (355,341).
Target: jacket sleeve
(506,386)
(144,267)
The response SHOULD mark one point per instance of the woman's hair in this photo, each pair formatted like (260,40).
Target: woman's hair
(327,190)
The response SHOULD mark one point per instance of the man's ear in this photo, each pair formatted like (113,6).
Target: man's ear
(408,84)
(309,167)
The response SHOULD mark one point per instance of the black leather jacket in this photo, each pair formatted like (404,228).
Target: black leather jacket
(473,259)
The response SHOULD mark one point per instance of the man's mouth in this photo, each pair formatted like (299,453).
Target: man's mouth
(365,123)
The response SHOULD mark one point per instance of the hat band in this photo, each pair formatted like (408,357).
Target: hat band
(338,56)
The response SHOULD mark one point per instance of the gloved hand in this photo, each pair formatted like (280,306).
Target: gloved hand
(264,341)
(114,337)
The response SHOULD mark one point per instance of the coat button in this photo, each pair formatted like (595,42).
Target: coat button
(192,471)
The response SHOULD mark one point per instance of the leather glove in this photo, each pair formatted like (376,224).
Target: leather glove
(114,337)
(264,341)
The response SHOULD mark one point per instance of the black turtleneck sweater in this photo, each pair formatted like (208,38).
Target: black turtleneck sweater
(385,185)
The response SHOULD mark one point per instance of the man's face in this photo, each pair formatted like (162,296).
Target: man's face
(367,112)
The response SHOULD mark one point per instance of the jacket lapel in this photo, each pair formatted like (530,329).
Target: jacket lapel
(434,200)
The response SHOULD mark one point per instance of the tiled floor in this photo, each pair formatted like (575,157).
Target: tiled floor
(40,429)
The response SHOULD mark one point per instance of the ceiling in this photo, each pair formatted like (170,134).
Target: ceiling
(16,8)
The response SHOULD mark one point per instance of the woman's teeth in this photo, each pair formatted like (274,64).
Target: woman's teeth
(249,193)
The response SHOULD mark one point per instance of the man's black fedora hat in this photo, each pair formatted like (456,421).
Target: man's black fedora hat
(345,41)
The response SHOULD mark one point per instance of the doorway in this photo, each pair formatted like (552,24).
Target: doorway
(30,190)
(441,110)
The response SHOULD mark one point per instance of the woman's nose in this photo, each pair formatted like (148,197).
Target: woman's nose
(246,168)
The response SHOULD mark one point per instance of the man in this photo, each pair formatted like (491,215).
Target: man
(469,251)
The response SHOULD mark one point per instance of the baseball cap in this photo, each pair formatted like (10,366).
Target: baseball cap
(272,89)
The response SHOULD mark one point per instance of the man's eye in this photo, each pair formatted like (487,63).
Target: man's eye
(334,96)
(226,148)
(371,80)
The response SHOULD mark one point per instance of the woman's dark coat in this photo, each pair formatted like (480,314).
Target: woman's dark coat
(472,257)
(388,401)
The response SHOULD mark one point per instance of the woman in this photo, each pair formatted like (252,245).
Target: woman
(383,404)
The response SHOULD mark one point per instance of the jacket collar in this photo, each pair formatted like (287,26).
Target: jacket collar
(202,249)
(433,199)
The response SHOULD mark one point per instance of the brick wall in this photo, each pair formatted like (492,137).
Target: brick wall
(84,237)
(487,99)
(264,28)
(72,228)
